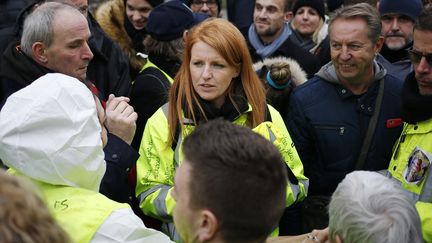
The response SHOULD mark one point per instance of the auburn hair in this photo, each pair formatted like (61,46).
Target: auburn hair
(227,40)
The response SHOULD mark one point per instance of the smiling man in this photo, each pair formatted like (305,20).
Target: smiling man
(268,35)
(332,115)
(397,19)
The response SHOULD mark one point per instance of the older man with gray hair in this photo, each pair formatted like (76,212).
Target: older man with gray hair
(369,207)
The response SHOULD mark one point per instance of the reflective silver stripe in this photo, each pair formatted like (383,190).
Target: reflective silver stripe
(170,230)
(145,193)
(177,151)
(165,109)
(271,134)
(295,190)
(426,194)
(305,184)
(159,201)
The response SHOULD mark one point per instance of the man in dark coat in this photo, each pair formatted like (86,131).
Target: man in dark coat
(331,115)
(268,35)
(109,68)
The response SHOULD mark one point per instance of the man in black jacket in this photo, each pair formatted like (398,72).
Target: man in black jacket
(268,35)
(109,68)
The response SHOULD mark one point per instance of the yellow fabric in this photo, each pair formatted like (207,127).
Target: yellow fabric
(150,64)
(425,212)
(155,166)
(79,211)
(414,136)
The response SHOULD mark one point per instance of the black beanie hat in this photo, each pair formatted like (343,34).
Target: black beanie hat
(410,8)
(318,5)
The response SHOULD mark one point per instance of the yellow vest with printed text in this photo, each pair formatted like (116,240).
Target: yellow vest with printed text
(79,211)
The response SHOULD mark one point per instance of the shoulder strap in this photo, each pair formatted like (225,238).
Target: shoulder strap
(371,128)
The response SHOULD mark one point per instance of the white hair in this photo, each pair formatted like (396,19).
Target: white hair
(368,207)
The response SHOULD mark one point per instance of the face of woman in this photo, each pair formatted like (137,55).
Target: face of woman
(211,74)
(307,20)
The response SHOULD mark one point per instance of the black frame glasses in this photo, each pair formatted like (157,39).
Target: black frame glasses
(416,56)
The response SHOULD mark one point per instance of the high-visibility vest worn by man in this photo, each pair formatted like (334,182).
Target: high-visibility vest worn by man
(412,156)
(50,133)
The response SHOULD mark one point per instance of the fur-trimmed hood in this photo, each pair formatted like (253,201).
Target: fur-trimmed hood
(110,16)
(298,76)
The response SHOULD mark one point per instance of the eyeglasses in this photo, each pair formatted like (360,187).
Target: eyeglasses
(416,56)
(200,3)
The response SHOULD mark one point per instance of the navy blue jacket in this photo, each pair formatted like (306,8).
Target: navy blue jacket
(327,123)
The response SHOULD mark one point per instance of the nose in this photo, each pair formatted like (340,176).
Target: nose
(305,15)
(207,72)
(136,16)
(205,7)
(395,24)
(262,13)
(87,54)
(423,66)
(345,54)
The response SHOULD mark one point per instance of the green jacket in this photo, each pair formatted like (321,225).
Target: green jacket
(158,162)
(410,164)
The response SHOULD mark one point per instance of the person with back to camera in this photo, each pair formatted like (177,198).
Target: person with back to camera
(366,207)
(24,216)
(52,133)
(215,80)
(280,75)
(55,40)
(232,174)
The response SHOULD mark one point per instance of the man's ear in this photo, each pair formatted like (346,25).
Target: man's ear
(338,239)
(39,53)
(208,226)
(378,45)
(288,16)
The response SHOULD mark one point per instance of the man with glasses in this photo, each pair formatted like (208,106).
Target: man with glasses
(397,19)
(412,155)
(210,7)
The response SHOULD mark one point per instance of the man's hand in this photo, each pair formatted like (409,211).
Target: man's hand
(321,235)
(120,118)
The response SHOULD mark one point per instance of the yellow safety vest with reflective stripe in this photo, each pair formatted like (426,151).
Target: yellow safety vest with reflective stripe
(79,211)
(411,166)
(150,64)
(158,162)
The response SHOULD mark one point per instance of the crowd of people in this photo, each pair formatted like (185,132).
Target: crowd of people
(166,121)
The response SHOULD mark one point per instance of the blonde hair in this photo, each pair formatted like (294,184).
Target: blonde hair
(24,216)
(227,40)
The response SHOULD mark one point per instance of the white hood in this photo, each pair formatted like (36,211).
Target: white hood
(50,131)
